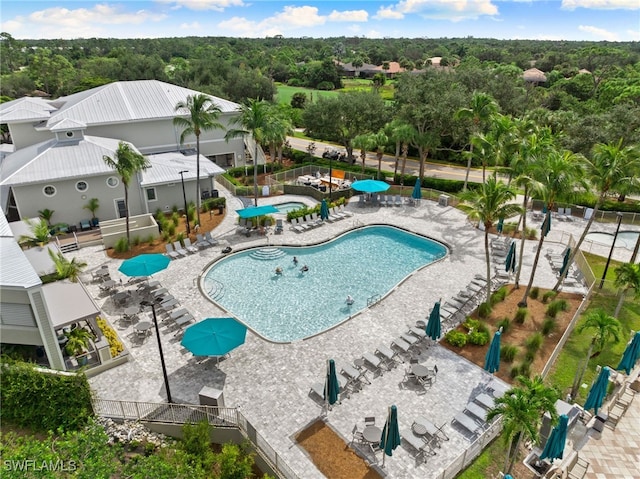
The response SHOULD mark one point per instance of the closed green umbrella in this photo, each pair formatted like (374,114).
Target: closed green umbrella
(546,224)
(500,225)
(631,355)
(565,261)
(417,190)
(492,359)
(510,262)
(390,438)
(324,210)
(598,391)
(554,448)
(331,385)
(434,326)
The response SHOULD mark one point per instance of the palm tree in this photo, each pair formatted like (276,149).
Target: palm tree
(379,140)
(363,143)
(203,116)
(483,108)
(46,214)
(67,269)
(605,327)
(612,168)
(279,128)
(127,162)
(92,205)
(488,204)
(627,278)
(253,120)
(556,173)
(401,134)
(40,233)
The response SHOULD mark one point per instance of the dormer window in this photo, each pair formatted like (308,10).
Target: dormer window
(69,134)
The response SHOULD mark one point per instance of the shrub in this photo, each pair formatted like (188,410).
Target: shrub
(476,325)
(505,324)
(508,352)
(166,236)
(175,218)
(529,356)
(136,241)
(122,245)
(534,342)
(180,237)
(171,229)
(534,293)
(115,345)
(174,209)
(150,239)
(515,371)
(549,295)
(456,338)
(325,85)
(531,233)
(556,306)
(548,325)
(521,315)
(508,228)
(525,369)
(484,310)
(478,338)
(498,296)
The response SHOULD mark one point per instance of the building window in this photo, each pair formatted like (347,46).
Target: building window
(49,190)
(81,186)
(112,182)
(151,194)
(69,134)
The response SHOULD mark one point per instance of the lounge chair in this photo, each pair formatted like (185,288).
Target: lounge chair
(212,241)
(415,442)
(201,242)
(467,423)
(171,252)
(295,226)
(355,377)
(568,215)
(344,211)
(279,227)
(477,411)
(401,344)
(398,200)
(374,361)
(388,355)
(189,247)
(179,249)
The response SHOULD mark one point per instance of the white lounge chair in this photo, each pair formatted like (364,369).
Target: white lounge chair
(212,241)
(398,201)
(171,252)
(279,227)
(179,249)
(344,211)
(297,227)
(467,423)
(189,247)
(201,242)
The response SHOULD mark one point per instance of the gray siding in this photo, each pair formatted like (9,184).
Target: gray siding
(49,339)
(15,314)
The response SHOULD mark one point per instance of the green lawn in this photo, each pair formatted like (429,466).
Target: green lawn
(285,93)
(597,264)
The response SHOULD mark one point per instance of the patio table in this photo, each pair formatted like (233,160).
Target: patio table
(131,311)
(418,429)
(420,370)
(143,326)
(372,434)
(108,285)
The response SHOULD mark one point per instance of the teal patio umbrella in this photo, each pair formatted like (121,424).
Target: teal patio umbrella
(510,262)
(331,385)
(500,225)
(144,265)
(434,326)
(554,448)
(598,391)
(416,194)
(631,355)
(546,224)
(565,261)
(253,211)
(370,186)
(390,438)
(214,336)
(492,359)
(324,210)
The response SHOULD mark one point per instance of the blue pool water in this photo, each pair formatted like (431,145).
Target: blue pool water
(289,206)
(625,239)
(364,263)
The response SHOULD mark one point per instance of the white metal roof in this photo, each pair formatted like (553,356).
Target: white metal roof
(15,269)
(25,109)
(166,167)
(68,124)
(5,230)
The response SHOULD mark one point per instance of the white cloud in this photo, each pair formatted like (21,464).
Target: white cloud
(601,4)
(601,33)
(453,10)
(373,34)
(388,13)
(190,26)
(297,17)
(634,35)
(349,16)
(215,5)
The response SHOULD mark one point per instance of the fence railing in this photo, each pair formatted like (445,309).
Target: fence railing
(193,413)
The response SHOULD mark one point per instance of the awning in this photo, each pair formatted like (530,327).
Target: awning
(68,303)
(254,211)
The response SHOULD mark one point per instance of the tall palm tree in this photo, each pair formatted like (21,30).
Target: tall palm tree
(127,162)
(253,120)
(627,279)
(488,204)
(379,140)
(556,174)
(202,115)
(402,134)
(612,168)
(363,143)
(483,107)
(605,327)
(280,127)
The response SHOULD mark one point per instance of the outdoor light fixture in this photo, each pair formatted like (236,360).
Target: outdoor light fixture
(613,245)
(184,196)
(164,367)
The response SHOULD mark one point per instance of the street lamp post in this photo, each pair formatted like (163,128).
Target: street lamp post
(613,245)
(330,175)
(184,196)
(164,367)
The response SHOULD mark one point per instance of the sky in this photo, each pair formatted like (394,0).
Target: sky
(594,20)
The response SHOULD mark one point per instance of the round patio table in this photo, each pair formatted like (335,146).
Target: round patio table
(142,326)
(420,370)
(372,434)
(419,429)
(131,311)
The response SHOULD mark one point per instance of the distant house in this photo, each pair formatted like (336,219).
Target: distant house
(535,76)
(368,70)
(59,147)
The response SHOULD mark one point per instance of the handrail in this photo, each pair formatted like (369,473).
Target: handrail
(371,300)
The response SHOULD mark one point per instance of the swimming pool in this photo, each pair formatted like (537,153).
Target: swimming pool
(365,263)
(625,239)
(290,206)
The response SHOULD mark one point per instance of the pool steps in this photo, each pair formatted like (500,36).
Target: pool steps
(268,254)
(214,288)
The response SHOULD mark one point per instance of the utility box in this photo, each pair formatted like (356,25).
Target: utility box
(601,418)
(211,397)
(104,352)
(443,200)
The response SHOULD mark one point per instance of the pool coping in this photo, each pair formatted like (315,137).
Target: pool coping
(201,277)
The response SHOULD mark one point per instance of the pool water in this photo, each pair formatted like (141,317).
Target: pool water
(289,206)
(625,239)
(365,263)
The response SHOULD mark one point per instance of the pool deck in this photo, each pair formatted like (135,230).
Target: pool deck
(270,383)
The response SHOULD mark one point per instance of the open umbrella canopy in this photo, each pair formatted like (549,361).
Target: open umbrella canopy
(631,354)
(214,336)
(144,264)
(554,448)
(324,210)
(510,262)
(546,224)
(598,391)
(331,385)
(417,190)
(370,186)
(492,359)
(434,326)
(253,211)
(390,438)
(565,261)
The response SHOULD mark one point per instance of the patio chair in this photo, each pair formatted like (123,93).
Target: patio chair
(279,227)
(467,423)
(361,203)
(179,249)
(416,443)
(388,355)
(333,213)
(568,216)
(374,361)
(398,200)
(201,242)
(189,247)
(85,225)
(171,252)
(295,226)
(212,241)
(356,435)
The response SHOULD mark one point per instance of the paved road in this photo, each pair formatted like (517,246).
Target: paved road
(434,170)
